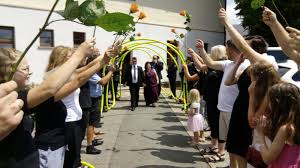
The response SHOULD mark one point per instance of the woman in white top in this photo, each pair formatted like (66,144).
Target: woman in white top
(69,94)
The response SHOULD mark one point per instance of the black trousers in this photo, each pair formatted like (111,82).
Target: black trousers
(159,87)
(116,84)
(173,86)
(74,139)
(134,93)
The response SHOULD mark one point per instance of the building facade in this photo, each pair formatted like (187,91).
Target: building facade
(21,20)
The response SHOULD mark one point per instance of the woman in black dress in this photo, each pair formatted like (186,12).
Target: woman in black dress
(239,136)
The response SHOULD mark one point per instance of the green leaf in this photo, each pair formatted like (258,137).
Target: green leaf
(71,11)
(188,17)
(90,11)
(116,22)
(255,4)
(132,38)
(188,29)
(181,35)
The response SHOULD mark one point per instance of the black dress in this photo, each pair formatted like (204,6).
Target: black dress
(211,89)
(239,136)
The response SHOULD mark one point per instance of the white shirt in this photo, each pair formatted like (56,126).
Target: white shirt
(74,111)
(136,73)
(228,94)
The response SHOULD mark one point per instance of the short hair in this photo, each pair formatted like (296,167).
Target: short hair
(231,45)
(134,58)
(218,53)
(258,43)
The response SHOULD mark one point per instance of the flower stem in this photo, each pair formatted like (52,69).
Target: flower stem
(94,31)
(220,4)
(33,41)
(287,24)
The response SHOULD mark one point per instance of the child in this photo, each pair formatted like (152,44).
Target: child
(195,121)
(281,124)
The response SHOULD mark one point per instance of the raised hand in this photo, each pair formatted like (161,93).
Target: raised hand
(268,16)
(87,47)
(10,108)
(199,44)
(261,125)
(112,68)
(223,15)
(191,52)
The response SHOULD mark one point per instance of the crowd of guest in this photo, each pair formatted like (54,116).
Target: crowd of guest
(251,111)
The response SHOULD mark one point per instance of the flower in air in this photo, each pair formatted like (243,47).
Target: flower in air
(134,8)
(173,30)
(142,15)
(182,12)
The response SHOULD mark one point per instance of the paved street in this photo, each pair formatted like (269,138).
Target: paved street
(145,138)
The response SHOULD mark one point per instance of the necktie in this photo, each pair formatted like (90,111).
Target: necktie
(134,73)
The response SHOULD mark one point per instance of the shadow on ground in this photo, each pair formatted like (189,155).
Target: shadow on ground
(176,156)
(161,166)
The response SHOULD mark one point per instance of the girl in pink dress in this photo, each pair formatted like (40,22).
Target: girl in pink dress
(282,125)
(195,121)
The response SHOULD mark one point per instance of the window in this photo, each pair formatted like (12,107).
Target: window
(296,76)
(78,38)
(206,46)
(47,38)
(7,37)
(282,70)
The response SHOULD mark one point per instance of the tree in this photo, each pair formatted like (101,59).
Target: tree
(252,20)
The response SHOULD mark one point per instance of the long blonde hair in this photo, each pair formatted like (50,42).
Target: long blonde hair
(194,96)
(8,57)
(57,57)
(218,53)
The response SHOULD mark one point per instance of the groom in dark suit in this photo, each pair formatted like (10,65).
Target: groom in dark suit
(134,77)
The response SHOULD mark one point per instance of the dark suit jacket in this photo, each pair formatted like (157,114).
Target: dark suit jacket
(128,76)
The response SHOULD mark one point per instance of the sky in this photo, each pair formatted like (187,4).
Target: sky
(232,12)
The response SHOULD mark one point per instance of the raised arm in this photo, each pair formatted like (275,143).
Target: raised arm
(107,77)
(188,75)
(197,60)
(82,77)
(270,154)
(234,74)
(239,40)
(281,35)
(207,60)
(59,77)
(295,39)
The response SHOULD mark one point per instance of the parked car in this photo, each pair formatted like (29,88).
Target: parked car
(289,72)
(277,53)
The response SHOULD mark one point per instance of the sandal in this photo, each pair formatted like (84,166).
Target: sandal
(217,158)
(209,150)
(99,133)
(201,139)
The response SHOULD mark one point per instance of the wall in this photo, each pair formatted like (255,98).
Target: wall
(27,23)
